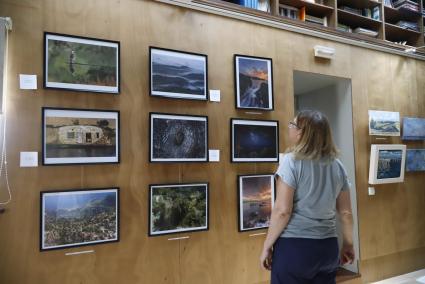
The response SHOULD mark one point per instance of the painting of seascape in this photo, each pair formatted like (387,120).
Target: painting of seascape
(256,199)
(253,79)
(176,74)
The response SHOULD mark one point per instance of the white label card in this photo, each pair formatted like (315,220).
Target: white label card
(215,95)
(27,82)
(29,159)
(214,155)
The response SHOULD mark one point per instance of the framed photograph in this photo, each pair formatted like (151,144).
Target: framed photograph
(256,195)
(253,82)
(387,163)
(178,74)
(413,128)
(72,218)
(254,140)
(80,136)
(415,160)
(384,123)
(178,138)
(176,208)
(81,63)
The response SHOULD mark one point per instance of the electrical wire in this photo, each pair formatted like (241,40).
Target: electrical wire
(3,159)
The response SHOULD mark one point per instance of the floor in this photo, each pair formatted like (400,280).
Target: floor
(416,277)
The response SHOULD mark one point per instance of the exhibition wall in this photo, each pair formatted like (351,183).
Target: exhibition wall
(391,223)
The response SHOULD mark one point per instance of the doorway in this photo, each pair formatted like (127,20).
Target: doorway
(332,96)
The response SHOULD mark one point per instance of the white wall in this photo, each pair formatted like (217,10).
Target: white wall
(335,102)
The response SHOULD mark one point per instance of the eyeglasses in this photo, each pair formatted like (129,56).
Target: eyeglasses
(292,124)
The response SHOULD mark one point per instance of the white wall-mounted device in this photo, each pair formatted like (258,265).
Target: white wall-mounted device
(324,52)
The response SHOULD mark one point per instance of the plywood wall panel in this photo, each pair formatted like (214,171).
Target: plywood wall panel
(222,254)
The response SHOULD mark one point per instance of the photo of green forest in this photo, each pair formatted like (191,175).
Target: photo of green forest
(176,208)
(81,63)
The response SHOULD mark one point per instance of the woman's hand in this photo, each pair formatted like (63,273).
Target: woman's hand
(266,258)
(347,254)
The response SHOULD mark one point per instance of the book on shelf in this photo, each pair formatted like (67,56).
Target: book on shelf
(406,4)
(376,13)
(365,32)
(408,25)
(263,5)
(289,12)
(352,10)
(317,20)
(302,14)
(344,28)
(388,3)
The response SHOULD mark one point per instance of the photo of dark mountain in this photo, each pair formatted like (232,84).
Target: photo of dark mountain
(178,138)
(73,218)
(253,82)
(178,74)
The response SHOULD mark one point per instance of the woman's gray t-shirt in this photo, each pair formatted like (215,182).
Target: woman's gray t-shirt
(317,185)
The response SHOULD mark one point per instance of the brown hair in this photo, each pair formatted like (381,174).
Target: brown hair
(316,140)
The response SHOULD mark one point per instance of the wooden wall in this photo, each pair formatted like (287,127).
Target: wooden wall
(392,225)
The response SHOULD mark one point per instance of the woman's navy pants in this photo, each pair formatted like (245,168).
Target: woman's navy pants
(305,261)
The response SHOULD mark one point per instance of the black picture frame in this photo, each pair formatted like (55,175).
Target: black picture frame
(272,154)
(76,75)
(181,72)
(68,213)
(155,233)
(271,177)
(165,150)
(63,150)
(264,101)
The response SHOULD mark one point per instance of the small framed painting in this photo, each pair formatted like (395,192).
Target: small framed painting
(254,140)
(387,164)
(176,208)
(415,160)
(178,74)
(72,218)
(384,123)
(413,128)
(256,195)
(253,82)
(80,136)
(178,138)
(81,63)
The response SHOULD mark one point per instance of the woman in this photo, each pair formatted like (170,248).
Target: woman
(312,186)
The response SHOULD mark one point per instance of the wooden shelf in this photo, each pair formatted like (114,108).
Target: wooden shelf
(393,15)
(387,33)
(395,33)
(394,29)
(311,8)
(359,4)
(354,20)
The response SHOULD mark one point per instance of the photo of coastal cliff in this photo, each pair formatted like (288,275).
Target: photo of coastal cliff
(254,88)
